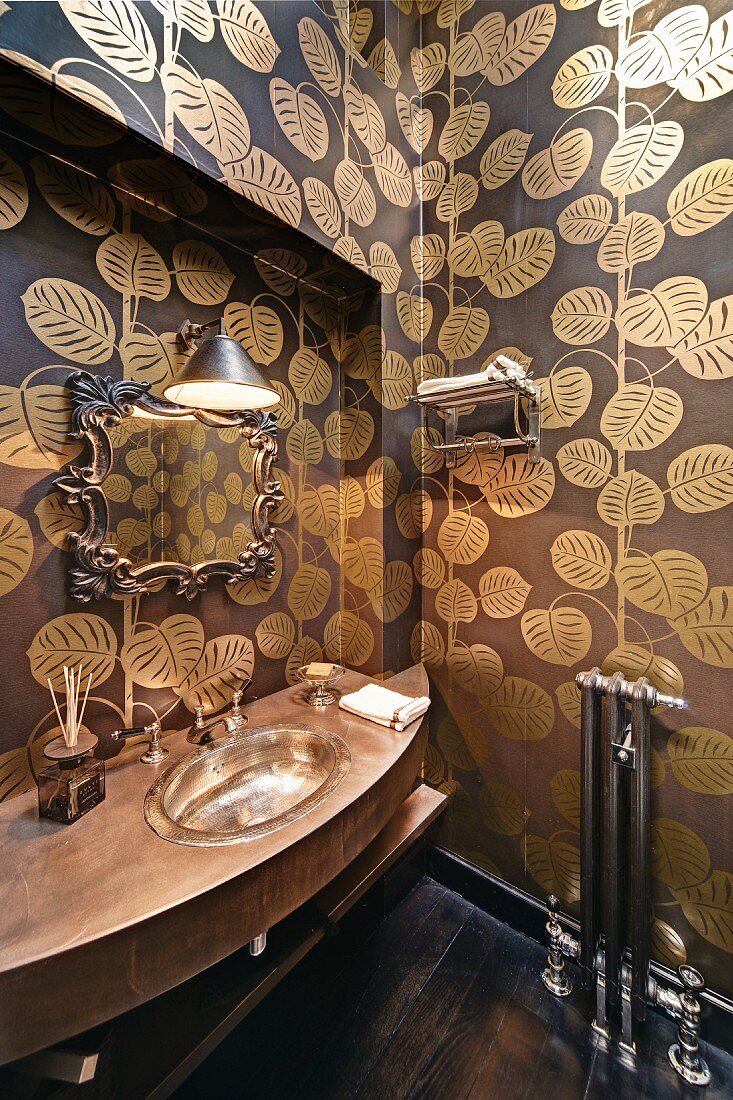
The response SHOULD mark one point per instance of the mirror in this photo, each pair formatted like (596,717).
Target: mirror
(163,492)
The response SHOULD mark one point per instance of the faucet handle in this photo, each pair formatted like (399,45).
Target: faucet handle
(236,702)
(199,712)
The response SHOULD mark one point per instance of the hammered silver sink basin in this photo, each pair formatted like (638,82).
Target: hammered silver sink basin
(248,784)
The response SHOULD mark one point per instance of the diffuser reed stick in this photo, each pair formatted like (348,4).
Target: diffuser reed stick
(74,714)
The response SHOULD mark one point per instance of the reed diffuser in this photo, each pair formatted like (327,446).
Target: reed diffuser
(74,783)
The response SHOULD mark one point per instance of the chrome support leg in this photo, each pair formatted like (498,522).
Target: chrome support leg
(554,975)
(684,1055)
(600,1024)
(626,1042)
(258,944)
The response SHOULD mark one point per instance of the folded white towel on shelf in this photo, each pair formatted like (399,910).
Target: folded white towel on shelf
(458,382)
(387,708)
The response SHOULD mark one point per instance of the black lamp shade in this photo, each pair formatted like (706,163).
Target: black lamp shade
(220,375)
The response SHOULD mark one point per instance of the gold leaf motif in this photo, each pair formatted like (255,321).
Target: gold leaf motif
(612,13)
(702,760)
(348,639)
(525,40)
(582,316)
(415,122)
(558,168)
(392,175)
(503,158)
(430,180)
(309,591)
(701,479)
(477,668)
(585,220)
(226,662)
(707,351)
(46,107)
(320,510)
(635,239)
(456,603)
(463,130)
(415,315)
(322,206)
(709,908)
(656,56)
(582,559)
(503,592)
(636,661)
(709,73)
(565,396)
(630,498)
(463,538)
(149,357)
(251,592)
(427,645)
(680,858)
(76,196)
(247,35)
(131,266)
(463,331)
(363,352)
(301,119)
(354,192)
(525,259)
(393,386)
(640,417)
(310,376)
(303,653)
(565,790)
(585,462)
(208,111)
(13,192)
(365,117)
(707,631)
(413,513)
(68,640)
(157,188)
(568,698)
(16,550)
(475,50)
(428,255)
(162,655)
(456,197)
(583,77)
(452,745)
(502,810)
(473,253)
(117,33)
(349,433)
(667,583)
(383,60)
(384,266)
(702,199)
(520,710)
(392,595)
(664,316)
(429,568)
(58,519)
(666,944)
(428,65)
(34,427)
(560,636)
(276,635)
(449,11)
(70,320)
(264,181)
(304,444)
(363,562)
(520,487)
(201,273)
(640,158)
(554,865)
(258,328)
(194,16)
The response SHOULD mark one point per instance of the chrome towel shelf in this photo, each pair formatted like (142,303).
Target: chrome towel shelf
(449,401)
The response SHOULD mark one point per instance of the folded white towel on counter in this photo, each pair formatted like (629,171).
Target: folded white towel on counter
(386,707)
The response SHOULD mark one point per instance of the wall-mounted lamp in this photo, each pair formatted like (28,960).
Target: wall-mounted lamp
(219,375)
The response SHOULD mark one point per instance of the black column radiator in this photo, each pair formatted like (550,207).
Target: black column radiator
(613,949)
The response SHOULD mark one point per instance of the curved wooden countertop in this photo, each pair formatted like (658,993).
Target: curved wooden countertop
(101,915)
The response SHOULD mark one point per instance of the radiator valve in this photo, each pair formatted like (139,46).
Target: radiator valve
(685,1053)
(554,975)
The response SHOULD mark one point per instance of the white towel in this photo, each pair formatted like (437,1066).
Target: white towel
(387,708)
(459,382)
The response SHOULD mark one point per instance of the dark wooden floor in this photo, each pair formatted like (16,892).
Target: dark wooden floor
(440,1002)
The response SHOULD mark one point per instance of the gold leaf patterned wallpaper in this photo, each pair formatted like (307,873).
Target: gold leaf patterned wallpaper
(547,179)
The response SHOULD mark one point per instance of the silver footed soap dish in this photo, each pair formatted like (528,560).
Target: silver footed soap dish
(320,677)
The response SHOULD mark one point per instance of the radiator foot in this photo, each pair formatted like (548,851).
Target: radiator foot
(554,975)
(684,1055)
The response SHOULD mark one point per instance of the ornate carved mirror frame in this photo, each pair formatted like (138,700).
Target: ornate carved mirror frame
(99,404)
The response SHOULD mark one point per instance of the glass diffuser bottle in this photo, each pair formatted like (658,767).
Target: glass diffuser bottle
(74,783)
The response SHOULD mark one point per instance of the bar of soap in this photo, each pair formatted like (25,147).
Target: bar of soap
(319,670)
